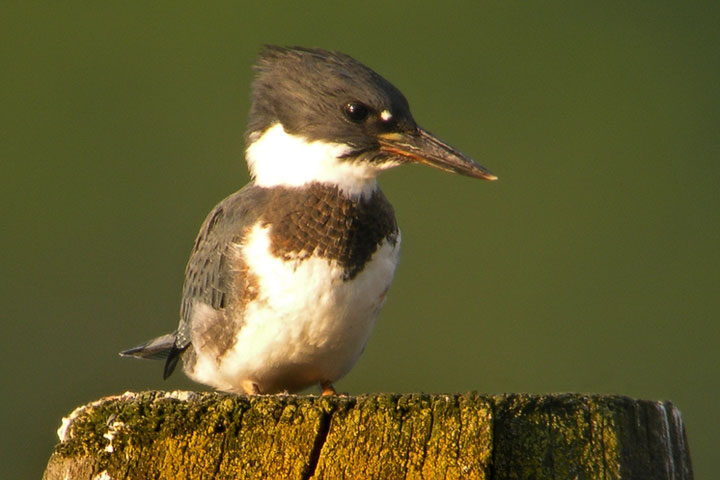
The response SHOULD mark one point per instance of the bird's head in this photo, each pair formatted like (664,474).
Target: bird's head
(321,116)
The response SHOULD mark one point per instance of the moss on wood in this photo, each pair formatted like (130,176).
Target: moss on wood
(171,435)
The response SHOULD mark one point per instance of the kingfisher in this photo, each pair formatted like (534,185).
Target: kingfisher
(287,276)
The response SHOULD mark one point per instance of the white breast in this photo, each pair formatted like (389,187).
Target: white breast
(306,326)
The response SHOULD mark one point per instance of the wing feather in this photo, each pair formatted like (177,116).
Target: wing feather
(215,275)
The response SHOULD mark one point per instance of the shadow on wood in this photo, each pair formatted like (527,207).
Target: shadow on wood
(173,435)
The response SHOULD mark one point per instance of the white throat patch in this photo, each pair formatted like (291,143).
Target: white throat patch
(277,158)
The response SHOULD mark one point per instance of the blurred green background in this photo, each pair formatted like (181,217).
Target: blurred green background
(592,265)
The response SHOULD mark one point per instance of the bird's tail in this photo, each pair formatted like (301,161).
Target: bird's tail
(156,349)
(160,348)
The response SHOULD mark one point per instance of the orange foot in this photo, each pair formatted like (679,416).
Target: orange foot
(327,389)
(250,388)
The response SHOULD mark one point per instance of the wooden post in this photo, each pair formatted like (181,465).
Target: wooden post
(184,435)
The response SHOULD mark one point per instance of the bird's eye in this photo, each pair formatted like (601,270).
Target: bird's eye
(356,111)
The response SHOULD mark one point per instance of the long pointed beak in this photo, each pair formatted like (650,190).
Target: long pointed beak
(422,146)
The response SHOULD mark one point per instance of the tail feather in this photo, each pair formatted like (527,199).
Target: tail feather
(161,348)
(172,359)
(157,349)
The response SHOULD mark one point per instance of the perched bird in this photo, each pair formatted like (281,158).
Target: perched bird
(287,275)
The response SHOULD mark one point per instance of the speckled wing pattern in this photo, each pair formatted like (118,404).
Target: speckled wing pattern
(215,274)
(313,221)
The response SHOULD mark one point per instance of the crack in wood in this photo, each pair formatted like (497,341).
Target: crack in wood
(320,439)
(179,434)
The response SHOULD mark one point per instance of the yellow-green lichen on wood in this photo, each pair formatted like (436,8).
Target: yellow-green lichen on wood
(384,436)
(588,437)
(408,436)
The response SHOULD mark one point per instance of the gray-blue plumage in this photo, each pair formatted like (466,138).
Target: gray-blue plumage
(287,275)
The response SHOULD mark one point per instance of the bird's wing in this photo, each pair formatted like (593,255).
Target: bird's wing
(215,276)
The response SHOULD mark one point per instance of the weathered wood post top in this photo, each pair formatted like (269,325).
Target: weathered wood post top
(185,435)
